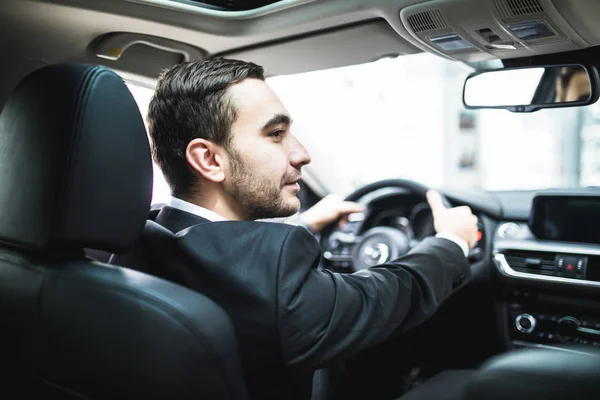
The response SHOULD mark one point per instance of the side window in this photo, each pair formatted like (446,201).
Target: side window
(142,95)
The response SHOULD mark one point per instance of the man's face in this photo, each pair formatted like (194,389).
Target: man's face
(264,158)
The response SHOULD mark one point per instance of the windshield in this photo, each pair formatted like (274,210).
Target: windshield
(404,118)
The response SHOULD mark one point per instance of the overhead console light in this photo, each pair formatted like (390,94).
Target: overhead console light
(531,30)
(450,42)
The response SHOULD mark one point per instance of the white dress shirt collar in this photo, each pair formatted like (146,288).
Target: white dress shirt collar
(194,209)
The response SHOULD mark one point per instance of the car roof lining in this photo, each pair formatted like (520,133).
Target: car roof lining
(286,37)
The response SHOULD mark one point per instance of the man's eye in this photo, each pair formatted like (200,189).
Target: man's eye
(277,134)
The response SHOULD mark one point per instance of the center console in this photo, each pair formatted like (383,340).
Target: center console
(540,325)
(550,267)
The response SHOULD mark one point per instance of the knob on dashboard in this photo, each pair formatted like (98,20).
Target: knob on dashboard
(525,323)
(569,321)
(509,230)
(568,331)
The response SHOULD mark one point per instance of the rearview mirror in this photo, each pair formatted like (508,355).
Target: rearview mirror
(531,88)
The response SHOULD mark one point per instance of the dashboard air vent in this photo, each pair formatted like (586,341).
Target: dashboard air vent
(516,8)
(532,262)
(427,21)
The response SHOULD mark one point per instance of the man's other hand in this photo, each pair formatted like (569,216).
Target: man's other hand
(328,210)
(459,221)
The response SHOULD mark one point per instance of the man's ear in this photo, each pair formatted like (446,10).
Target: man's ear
(205,157)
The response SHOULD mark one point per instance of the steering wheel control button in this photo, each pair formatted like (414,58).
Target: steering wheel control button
(525,323)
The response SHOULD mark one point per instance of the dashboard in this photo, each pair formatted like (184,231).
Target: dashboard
(539,253)
(551,267)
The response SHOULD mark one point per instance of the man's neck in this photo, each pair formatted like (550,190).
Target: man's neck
(215,203)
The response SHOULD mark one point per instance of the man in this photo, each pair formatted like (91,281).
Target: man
(222,139)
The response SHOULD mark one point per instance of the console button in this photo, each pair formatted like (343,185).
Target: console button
(525,323)
(570,268)
(581,266)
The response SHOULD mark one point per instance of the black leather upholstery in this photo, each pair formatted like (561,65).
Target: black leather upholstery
(73,151)
(75,172)
(537,374)
(448,385)
(134,259)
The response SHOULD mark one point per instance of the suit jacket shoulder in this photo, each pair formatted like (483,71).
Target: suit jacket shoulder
(238,265)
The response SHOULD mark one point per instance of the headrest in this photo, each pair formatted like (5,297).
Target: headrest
(75,164)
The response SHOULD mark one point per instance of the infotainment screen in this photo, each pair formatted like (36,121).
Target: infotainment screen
(570,218)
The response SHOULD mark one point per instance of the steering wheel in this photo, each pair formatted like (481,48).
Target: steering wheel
(377,245)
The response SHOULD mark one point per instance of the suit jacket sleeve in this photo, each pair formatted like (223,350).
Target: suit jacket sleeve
(324,316)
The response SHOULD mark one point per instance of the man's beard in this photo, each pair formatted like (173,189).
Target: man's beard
(255,196)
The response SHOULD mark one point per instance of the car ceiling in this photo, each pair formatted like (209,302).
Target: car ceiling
(286,37)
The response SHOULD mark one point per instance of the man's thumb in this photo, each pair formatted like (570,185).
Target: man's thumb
(435,201)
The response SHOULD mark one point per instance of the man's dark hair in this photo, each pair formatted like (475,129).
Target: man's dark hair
(190,102)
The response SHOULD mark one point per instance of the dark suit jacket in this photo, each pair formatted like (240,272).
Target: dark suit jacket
(291,318)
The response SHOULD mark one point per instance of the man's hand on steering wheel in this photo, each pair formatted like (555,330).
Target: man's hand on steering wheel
(458,221)
(328,210)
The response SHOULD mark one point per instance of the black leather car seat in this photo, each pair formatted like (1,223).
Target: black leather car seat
(75,173)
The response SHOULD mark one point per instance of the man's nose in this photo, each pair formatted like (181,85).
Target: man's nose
(299,156)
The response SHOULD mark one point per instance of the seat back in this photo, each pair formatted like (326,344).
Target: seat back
(138,258)
(133,258)
(76,174)
(154,247)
